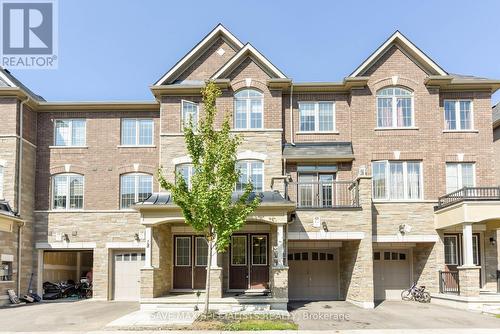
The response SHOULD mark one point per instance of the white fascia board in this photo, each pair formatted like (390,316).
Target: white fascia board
(6,79)
(248,48)
(220,29)
(404,41)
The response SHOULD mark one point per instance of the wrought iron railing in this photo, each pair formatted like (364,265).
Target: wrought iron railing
(449,282)
(324,195)
(469,194)
(498,281)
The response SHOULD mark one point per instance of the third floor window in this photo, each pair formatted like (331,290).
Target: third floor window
(458,115)
(189,113)
(248,109)
(395,108)
(69,132)
(317,116)
(137,132)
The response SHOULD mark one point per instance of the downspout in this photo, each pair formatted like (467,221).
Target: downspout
(19,190)
(292,141)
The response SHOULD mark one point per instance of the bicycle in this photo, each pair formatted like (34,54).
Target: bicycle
(416,293)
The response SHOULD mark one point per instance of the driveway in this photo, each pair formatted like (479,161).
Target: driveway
(82,315)
(342,315)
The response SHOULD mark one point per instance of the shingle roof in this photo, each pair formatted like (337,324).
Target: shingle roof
(6,210)
(18,84)
(496,113)
(317,151)
(466,77)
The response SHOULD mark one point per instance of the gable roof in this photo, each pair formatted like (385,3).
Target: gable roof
(401,41)
(249,50)
(194,53)
(8,81)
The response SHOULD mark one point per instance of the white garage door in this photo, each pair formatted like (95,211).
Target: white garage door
(127,274)
(391,273)
(313,275)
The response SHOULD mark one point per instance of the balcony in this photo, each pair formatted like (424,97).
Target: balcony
(469,194)
(324,195)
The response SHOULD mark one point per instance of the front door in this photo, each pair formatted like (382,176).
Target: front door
(259,268)
(249,262)
(238,272)
(183,273)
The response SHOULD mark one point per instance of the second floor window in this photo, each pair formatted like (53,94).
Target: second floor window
(459,175)
(67,192)
(189,113)
(458,115)
(187,172)
(250,171)
(397,180)
(248,109)
(69,132)
(317,116)
(137,132)
(394,108)
(135,187)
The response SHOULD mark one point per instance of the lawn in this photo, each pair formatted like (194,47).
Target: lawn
(243,324)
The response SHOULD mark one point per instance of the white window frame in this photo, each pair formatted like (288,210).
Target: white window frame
(267,250)
(458,116)
(177,253)
(2,180)
(405,181)
(456,249)
(316,117)
(459,173)
(246,251)
(190,172)
(248,101)
(395,109)
(68,195)
(183,121)
(249,169)
(70,120)
(196,251)
(136,187)
(137,132)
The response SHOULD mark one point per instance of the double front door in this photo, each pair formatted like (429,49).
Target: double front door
(249,262)
(190,262)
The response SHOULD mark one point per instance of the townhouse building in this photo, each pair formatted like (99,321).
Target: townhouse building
(367,185)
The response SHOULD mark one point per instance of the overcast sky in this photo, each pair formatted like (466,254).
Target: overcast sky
(114,50)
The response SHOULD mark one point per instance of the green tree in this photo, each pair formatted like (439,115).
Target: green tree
(207,203)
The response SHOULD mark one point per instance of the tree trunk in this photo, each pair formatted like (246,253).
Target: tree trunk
(207,282)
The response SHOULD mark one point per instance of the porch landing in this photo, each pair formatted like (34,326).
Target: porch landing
(230,302)
(486,302)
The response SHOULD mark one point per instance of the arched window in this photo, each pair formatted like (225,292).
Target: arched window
(248,109)
(250,171)
(395,108)
(67,191)
(186,171)
(135,187)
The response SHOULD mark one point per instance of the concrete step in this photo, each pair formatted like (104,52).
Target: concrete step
(220,307)
(492,308)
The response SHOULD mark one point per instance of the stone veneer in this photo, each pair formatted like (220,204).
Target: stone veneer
(469,280)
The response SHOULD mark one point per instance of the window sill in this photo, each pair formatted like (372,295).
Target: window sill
(461,131)
(396,201)
(7,282)
(136,146)
(64,211)
(256,130)
(67,147)
(398,128)
(317,133)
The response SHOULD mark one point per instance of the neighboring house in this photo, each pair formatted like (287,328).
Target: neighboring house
(353,177)
(496,138)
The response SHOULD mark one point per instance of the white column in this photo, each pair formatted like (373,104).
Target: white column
(149,246)
(280,245)
(467,245)
(214,263)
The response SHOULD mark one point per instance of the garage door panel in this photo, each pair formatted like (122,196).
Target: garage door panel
(127,274)
(391,273)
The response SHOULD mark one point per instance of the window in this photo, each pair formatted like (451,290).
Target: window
(250,171)
(137,132)
(317,116)
(376,256)
(135,188)
(238,250)
(450,249)
(475,250)
(248,107)
(183,251)
(67,192)
(397,180)
(394,108)
(459,175)
(69,132)
(6,271)
(458,115)
(1,181)
(201,256)
(189,113)
(259,250)
(187,172)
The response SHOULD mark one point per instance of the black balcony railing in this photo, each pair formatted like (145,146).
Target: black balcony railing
(324,195)
(469,194)
(449,282)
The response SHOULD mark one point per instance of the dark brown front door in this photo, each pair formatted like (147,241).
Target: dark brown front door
(182,262)
(249,262)
(200,262)
(238,266)
(259,267)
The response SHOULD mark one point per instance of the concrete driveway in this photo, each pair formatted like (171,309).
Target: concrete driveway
(82,315)
(387,315)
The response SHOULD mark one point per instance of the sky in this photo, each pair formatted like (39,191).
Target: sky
(113,50)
